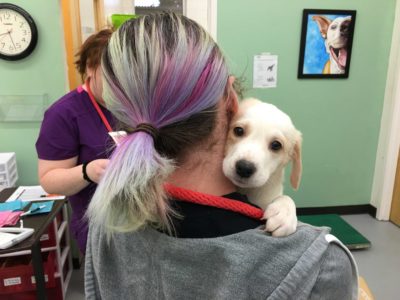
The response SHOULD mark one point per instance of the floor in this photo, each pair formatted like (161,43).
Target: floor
(76,287)
(379,265)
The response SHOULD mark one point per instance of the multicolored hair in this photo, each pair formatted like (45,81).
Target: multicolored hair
(163,70)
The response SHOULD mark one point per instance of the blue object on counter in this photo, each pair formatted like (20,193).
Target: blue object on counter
(39,208)
(13,205)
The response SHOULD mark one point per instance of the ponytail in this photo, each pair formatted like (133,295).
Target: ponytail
(166,71)
(132,190)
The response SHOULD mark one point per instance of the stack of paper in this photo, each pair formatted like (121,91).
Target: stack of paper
(33,193)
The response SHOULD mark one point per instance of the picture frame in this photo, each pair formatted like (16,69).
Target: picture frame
(326,43)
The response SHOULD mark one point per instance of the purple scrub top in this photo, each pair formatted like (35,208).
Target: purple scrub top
(72,127)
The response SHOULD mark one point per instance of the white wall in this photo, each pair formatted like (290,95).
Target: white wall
(203,12)
(118,7)
(88,25)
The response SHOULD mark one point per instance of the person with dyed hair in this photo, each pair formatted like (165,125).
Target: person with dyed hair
(165,223)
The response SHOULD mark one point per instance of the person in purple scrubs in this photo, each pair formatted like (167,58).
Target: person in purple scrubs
(73,144)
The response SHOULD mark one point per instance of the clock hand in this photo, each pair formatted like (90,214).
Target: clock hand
(8,32)
(12,40)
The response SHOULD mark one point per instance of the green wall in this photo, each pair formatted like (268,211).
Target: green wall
(43,72)
(339,118)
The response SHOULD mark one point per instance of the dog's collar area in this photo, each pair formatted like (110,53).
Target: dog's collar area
(182,194)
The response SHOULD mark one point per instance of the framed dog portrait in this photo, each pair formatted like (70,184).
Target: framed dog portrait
(326,42)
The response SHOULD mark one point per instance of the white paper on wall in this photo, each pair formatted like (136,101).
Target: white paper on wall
(265,71)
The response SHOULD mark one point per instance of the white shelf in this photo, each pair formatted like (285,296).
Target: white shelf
(61,230)
(64,255)
(66,281)
(27,252)
(22,108)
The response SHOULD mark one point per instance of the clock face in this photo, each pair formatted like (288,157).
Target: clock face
(18,34)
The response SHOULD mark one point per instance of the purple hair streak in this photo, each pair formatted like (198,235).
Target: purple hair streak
(158,69)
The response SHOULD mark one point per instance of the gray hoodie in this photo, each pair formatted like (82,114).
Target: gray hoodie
(147,264)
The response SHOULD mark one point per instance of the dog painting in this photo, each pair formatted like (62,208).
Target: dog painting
(262,141)
(326,43)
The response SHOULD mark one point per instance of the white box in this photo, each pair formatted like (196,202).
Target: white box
(6,160)
(8,169)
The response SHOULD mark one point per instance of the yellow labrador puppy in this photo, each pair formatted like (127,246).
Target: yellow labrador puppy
(262,141)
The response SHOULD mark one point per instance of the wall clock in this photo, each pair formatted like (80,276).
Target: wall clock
(18,32)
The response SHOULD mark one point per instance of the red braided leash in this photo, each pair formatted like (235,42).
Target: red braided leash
(182,194)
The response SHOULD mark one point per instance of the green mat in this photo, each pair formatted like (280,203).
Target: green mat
(340,228)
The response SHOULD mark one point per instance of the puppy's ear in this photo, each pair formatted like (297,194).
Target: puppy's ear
(323,24)
(295,175)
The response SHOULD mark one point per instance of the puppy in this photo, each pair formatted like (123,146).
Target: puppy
(261,142)
(336,35)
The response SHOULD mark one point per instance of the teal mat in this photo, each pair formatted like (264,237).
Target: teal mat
(340,228)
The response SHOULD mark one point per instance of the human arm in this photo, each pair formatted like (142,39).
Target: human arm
(65,176)
(337,278)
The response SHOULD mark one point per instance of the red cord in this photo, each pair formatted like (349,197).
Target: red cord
(182,194)
(97,107)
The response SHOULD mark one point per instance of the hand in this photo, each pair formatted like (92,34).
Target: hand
(8,32)
(96,168)
(281,216)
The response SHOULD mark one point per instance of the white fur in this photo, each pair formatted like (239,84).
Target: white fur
(336,35)
(264,123)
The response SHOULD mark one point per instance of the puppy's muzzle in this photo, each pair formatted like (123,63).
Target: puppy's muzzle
(245,168)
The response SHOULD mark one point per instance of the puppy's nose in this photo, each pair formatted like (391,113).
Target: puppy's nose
(245,168)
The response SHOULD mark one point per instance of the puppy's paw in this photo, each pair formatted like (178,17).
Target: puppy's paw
(281,217)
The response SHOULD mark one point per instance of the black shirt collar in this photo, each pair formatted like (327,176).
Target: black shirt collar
(201,221)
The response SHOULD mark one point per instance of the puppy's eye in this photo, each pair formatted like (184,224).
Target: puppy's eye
(238,131)
(333,27)
(275,146)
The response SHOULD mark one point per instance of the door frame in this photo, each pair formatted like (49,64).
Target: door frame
(99,18)
(203,12)
(72,39)
(395,207)
(389,136)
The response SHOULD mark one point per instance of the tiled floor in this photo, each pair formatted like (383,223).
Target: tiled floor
(379,265)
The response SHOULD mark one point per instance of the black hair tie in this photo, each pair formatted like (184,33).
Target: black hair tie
(147,128)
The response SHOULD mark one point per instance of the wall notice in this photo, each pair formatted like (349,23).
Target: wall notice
(265,71)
